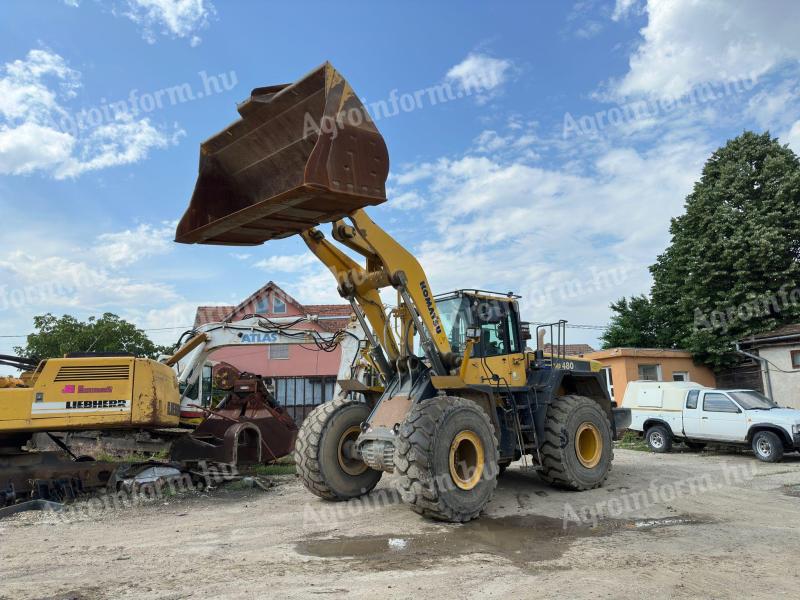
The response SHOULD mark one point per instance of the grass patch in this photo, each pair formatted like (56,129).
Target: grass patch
(277,469)
(632,441)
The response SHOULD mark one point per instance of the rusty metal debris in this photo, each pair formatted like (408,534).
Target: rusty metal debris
(246,428)
(302,154)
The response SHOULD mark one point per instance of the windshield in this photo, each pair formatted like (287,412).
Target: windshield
(454,313)
(751,399)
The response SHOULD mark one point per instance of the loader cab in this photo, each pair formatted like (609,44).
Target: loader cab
(491,320)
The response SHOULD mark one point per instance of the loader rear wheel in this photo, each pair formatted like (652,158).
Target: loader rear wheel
(325,461)
(577,450)
(446,456)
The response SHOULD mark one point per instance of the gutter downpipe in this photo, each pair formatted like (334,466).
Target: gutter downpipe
(764,369)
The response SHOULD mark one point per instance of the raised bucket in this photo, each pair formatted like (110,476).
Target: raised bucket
(302,154)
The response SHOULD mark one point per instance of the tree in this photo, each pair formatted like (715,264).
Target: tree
(632,326)
(732,268)
(55,337)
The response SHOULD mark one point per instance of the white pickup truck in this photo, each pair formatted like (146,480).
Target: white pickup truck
(665,412)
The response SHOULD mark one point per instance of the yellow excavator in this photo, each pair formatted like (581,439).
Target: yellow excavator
(462,397)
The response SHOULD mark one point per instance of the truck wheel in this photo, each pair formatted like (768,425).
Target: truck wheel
(577,450)
(446,456)
(324,462)
(658,439)
(768,447)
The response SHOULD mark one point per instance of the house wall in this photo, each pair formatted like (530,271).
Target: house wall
(626,368)
(785,386)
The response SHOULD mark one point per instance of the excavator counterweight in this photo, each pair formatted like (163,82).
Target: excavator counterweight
(302,154)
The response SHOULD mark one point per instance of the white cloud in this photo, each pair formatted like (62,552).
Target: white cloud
(624,8)
(32,95)
(241,255)
(687,43)
(570,240)
(481,75)
(174,18)
(126,247)
(793,137)
(286,263)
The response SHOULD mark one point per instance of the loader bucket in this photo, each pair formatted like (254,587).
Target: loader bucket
(302,154)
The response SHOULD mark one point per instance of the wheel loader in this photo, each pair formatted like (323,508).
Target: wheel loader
(462,396)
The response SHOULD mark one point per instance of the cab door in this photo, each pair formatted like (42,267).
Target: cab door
(721,418)
(692,415)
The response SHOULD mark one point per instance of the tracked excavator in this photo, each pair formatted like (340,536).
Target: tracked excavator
(461,396)
(121,394)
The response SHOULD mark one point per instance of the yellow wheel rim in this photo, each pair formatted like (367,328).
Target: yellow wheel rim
(350,466)
(466,460)
(588,445)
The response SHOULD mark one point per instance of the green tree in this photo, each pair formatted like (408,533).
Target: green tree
(732,268)
(54,337)
(632,324)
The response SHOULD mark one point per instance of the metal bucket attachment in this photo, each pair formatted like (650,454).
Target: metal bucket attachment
(302,154)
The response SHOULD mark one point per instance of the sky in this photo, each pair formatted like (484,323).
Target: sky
(572,136)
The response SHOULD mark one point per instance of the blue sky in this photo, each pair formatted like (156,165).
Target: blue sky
(557,179)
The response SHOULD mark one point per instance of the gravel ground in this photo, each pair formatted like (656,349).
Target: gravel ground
(676,525)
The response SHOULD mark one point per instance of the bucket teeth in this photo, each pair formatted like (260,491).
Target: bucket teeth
(301,154)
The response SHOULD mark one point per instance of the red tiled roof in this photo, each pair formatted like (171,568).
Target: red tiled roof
(792,329)
(211,314)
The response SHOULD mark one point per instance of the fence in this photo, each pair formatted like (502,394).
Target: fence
(299,395)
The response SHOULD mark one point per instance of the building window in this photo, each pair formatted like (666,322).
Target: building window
(279,351)
(262,305)
(680,376)
(796,359)
(650,372)
(609,379)
(278,305)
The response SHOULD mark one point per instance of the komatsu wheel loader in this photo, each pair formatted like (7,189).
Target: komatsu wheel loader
(462,397)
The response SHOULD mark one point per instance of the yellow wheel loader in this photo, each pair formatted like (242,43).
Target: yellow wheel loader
(462,396)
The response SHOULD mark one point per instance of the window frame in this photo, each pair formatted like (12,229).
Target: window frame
(684,373)
(794,358)
(692,395)
(275,311)
(659,372)
(273,346)
(728,398)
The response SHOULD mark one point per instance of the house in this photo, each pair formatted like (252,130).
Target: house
(570,349)
(777,353)
(622,365)
(302,376)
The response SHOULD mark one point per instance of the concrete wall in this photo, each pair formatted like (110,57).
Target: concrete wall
(785,386)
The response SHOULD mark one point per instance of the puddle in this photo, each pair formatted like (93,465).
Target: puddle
(520,539)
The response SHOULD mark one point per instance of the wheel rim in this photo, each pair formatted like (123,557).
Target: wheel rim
(656,440)
(764,447)
(588,445)
(351,466)
(467,460)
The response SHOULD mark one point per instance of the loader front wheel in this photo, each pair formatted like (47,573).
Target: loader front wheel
(324,451)
(577,450)
(446,456)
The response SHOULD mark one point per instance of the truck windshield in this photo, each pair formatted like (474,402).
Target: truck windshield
(752,400)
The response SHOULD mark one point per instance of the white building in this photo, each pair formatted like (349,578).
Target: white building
(778,352)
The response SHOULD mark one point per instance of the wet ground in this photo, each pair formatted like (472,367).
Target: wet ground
(678,526)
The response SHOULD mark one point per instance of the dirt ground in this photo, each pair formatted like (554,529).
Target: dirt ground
(678,525)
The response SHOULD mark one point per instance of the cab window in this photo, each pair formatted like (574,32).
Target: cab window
(719,403)
(691,399)
(499,329)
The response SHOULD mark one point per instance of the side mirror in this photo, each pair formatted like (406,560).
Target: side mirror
(525,327)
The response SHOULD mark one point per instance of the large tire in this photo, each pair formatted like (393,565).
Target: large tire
(658,439)
(320,463)
(768,447)
(446,458)
(577,450)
